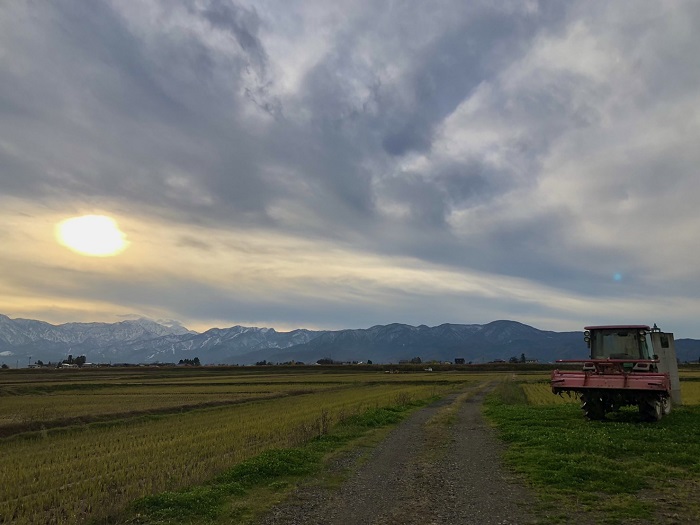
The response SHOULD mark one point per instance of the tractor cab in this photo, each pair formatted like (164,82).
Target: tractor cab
(620,342)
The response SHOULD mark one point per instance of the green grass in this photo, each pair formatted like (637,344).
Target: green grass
(205,504)
(242,493)
(612,471)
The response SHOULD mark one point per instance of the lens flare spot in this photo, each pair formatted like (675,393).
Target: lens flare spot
(617,277)
(92,235)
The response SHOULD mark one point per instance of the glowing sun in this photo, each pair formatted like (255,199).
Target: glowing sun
(93,235)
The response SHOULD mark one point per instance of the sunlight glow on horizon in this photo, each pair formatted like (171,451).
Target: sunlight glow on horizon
(92,235)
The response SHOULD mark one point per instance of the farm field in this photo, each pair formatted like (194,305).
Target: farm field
(53,405)
(94,441)
(40,400)
(82,446)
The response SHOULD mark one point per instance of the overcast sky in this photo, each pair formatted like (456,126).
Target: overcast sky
(344,164)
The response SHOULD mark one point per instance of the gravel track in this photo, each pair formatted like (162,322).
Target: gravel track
(414,477)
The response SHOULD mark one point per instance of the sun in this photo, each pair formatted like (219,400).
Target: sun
(92,235)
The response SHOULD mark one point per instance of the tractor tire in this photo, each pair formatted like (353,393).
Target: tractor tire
(593,406)
(666,405)
(651,409)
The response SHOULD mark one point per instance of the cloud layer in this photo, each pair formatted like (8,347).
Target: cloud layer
(345,164)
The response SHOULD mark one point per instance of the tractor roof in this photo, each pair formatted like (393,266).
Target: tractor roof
(619,327)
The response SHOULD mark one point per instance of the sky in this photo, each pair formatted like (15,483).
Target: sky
(330,165)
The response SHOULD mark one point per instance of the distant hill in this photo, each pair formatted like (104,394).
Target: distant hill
(473,342)
(688,350)
(147,341)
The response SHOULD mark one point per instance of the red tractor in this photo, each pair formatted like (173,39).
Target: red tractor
(629,365)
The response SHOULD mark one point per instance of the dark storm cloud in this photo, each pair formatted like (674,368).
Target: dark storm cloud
(243,24)
(446,72)
(429,198)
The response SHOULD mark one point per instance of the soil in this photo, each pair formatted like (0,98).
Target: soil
(416,476)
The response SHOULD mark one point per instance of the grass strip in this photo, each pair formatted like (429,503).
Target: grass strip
(614,472)
(244,492)
(437,428)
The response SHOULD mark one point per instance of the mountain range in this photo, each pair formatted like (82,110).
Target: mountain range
(144,340)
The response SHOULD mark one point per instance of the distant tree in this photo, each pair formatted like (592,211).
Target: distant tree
(189,362)
(40,363)
(522,358)
(262,363)
(513,360)
(325,361)
(80,360)
(4,366)
(369,361)
(416,361)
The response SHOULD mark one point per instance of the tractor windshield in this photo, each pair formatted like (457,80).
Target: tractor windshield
(619,344)
(647,347)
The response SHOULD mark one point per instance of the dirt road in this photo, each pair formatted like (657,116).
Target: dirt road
(421,473)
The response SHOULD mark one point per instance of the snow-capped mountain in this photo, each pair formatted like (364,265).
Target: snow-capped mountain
(137,340)
(18,331)
(24,337)
(218,345)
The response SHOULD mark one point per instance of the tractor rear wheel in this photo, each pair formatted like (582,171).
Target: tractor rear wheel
(666,405)
(593,406)
(651,409)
